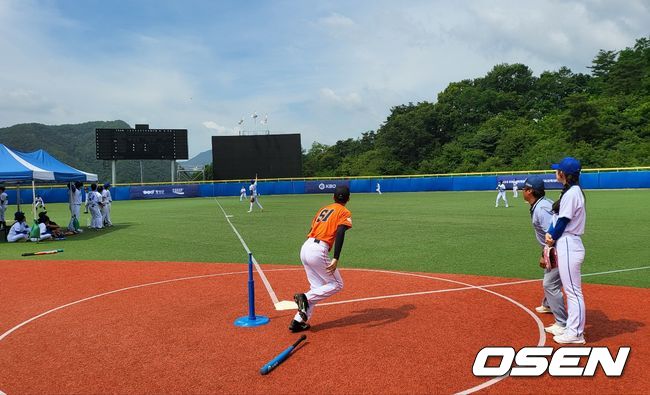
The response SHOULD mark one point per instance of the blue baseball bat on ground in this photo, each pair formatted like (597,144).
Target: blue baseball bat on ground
(272,364)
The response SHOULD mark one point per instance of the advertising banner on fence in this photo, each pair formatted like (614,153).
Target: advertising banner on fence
(324,186)
(549,180)
(163,192)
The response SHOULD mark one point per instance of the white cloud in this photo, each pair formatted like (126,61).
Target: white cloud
(348,101)
(335,20)
(220,130)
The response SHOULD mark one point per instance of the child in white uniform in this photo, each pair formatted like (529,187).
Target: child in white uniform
(254,198)
(4,203)
(501,194)
(569,217)
(19,230)
(39,203)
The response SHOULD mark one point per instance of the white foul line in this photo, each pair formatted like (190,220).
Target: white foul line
(460,288)
(272,294)
(616,271)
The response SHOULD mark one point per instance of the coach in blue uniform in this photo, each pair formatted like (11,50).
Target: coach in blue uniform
(541,212)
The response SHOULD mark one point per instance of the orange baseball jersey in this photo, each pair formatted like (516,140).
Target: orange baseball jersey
(327,220)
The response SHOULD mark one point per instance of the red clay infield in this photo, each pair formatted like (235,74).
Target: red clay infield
(179,337)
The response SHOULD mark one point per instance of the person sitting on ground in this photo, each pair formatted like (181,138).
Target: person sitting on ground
(52,227)
(44,233)
(19,230)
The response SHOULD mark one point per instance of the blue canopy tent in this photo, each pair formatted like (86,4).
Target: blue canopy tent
(30,167)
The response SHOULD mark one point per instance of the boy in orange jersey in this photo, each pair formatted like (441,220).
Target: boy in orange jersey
(327,230)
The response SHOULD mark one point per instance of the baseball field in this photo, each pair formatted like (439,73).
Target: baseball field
(430,278)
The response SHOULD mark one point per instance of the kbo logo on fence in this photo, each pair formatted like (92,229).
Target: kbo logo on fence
(533,361)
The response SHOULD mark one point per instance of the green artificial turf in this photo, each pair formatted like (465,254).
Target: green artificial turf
(438,232)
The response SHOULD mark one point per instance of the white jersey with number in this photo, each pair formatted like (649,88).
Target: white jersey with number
(253,189)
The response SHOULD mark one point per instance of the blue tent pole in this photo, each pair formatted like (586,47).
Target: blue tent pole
(33,199)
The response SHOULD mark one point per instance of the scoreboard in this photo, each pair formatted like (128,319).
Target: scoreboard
(141,143)
(268,156)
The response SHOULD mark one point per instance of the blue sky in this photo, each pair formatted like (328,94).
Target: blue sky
(327,69)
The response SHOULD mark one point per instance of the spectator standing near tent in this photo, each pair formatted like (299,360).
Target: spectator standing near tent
(4,203)
(74,199)
(86,200)
(107,200)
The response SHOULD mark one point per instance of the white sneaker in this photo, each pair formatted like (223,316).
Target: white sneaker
(569,339)
(555,329)
(250,211)
(542,309)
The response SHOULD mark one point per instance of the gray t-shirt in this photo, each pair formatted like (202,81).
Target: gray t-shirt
(541,218)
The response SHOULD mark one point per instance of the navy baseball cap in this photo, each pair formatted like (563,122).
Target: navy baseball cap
(534,182)
(568,165)
(107,185)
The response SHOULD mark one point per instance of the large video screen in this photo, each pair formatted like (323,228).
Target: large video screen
(268,156)
(165,144)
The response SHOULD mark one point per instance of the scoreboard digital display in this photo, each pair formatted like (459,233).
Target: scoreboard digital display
(268,156)
(141,143)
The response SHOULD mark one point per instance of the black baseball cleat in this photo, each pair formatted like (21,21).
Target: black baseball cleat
(303,304)
(298,326)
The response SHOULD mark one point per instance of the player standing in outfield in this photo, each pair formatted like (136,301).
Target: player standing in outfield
(569,217)
(378,189)
(254,197)
(327,229)
(541,213)
(242,193)
(514,189)
(501,194)
(4,203)
(39,202)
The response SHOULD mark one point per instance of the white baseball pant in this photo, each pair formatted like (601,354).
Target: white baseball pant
(315,259)
(570,255)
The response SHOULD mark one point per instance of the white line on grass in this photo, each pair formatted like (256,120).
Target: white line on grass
(272,294)
(461,288)
(616,271)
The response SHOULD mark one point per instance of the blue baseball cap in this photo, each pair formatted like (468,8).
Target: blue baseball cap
(568,165)
(534,182)
(107,185)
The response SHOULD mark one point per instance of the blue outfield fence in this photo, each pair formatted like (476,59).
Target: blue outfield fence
(588,180)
